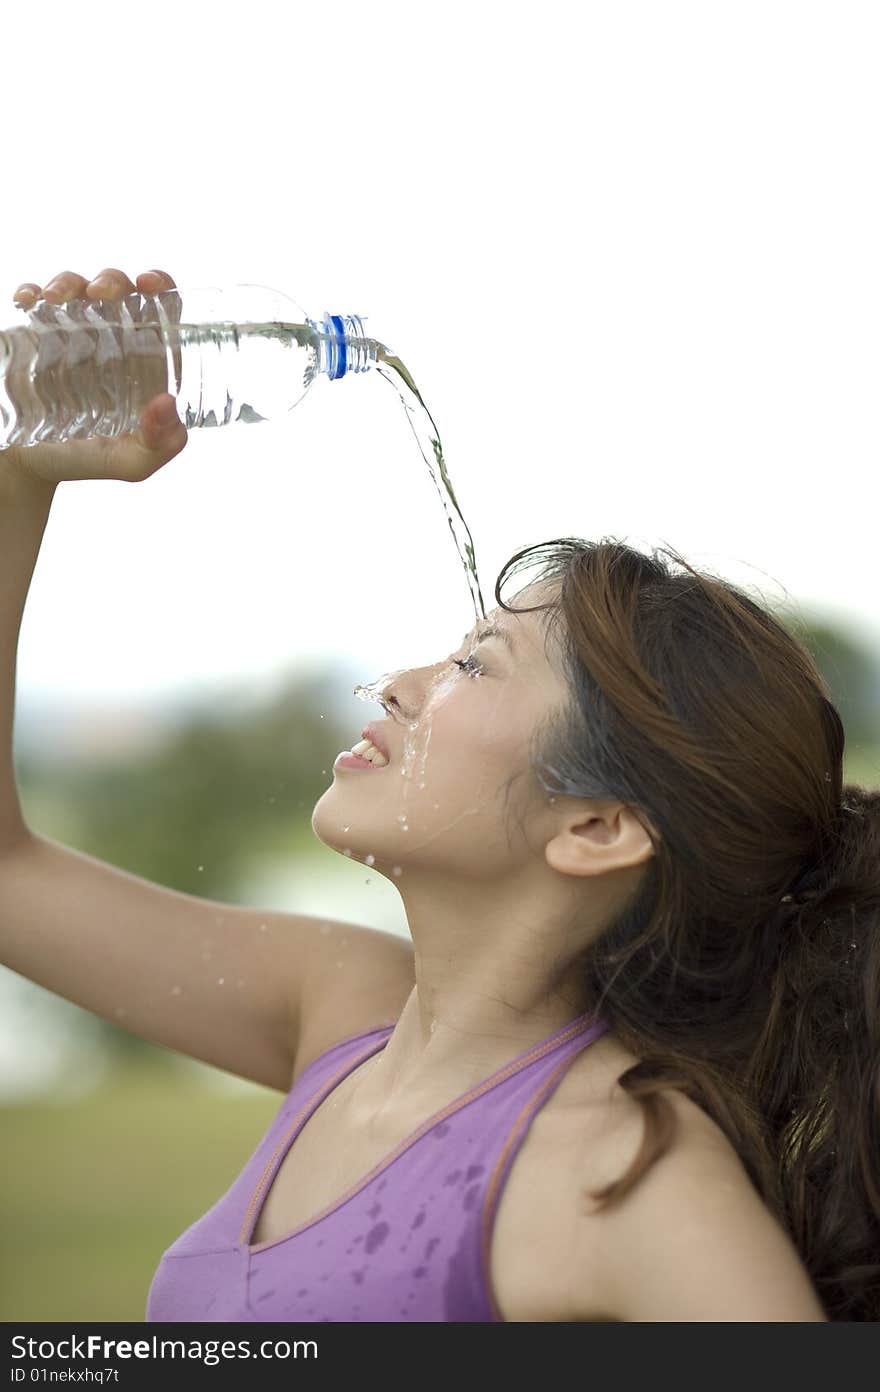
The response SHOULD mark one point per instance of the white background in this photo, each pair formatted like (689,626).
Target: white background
(628,250)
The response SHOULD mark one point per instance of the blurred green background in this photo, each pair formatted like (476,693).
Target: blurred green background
(112,1146)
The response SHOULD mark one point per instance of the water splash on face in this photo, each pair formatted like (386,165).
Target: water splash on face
(417,739)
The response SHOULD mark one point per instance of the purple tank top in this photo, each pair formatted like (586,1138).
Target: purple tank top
(409,1241)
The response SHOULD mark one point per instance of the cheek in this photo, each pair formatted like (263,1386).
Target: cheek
(468,752)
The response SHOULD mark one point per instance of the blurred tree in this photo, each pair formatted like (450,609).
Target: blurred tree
(223,789)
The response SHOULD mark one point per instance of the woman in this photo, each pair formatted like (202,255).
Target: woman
(627,1068)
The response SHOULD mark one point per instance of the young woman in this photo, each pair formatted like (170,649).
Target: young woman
(626,1069)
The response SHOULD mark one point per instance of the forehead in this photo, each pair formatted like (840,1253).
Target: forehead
(532,637)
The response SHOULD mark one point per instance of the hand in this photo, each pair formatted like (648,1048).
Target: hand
(132,457)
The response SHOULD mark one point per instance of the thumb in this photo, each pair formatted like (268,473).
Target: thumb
(158,418)
(161,432)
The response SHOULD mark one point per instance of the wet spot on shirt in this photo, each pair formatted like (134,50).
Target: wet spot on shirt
(471,1196)
(264,1296)
(304,1291)
(358,1239)
(376,1236)
(429,1250)
(441,1130)
(457,1291)
(419,1218)
(358,1276)
(420,1271)
(473,1171)
(453,1177)
(374,1211)
(381,1186)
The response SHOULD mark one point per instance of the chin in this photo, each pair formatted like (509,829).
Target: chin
(327,826)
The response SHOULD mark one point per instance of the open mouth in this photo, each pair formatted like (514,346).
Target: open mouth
(363,755)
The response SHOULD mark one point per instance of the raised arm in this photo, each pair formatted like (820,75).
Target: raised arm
(236,987)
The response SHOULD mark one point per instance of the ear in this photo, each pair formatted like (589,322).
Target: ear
(598,838)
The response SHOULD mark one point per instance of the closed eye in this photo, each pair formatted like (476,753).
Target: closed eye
(469,665)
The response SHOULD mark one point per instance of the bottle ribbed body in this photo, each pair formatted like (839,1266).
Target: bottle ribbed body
(246,353)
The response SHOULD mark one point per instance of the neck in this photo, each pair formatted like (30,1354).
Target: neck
(495,972)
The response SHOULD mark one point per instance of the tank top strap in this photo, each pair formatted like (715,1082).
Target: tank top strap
(490,1134)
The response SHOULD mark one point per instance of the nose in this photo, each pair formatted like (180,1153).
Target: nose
(414,686)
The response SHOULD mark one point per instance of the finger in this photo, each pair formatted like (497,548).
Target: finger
(65,286)
(161,435)
(159,416)
(110,284)
(154,282)
(161,283)
(26,294)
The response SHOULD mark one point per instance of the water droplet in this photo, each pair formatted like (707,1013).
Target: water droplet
(346,828)
(347,851)
(367,881)
(200,867)
(370,859)
(262,927)
(220,980)
(324,771)
(175,990)
(397,870)
(421,785)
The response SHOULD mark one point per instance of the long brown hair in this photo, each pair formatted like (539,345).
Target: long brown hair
(698,708)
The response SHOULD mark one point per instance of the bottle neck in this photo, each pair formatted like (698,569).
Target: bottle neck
(343,345)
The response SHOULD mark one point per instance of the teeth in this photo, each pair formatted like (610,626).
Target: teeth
(368,750)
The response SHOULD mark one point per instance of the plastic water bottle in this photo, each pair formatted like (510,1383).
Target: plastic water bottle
(243,353)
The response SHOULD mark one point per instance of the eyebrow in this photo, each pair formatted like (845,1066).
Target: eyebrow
(492,630)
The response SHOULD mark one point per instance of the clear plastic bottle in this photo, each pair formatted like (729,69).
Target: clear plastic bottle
(243,353)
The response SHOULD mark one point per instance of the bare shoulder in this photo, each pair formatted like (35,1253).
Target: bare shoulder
(360,981)
(693,1241)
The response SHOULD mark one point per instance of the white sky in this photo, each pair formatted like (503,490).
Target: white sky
(629,252)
